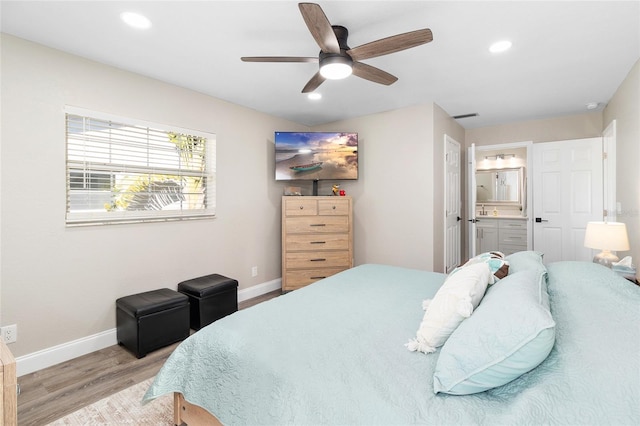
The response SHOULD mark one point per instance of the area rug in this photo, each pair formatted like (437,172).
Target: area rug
(124,408)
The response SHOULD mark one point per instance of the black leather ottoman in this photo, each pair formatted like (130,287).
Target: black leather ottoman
(210,298)
(151,320)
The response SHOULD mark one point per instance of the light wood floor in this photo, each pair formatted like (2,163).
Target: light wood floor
(54,392)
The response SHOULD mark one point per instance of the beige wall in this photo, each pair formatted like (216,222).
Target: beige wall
(624,107)
(60,284)
(394,196)
(400,194)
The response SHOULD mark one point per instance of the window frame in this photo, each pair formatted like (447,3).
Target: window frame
(95,217)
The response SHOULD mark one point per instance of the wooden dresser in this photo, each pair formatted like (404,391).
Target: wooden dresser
(317,239)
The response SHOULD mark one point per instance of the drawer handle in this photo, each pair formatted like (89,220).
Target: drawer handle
(317,278)
(318,224)
(318,242)
(301,207)
(334,207)
(318,260)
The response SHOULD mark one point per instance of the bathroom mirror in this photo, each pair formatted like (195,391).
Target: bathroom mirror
(502,186)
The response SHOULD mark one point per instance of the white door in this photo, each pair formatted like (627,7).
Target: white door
(567,193)
(453,205)
(471,202)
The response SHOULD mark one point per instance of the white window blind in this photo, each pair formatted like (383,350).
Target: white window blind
(122,170)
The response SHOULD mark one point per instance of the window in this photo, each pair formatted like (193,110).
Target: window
(121,170)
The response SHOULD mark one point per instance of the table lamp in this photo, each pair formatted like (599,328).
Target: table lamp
(606,236)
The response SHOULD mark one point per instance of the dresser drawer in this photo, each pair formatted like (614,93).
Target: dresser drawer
(509,236)
(487,223)
(333,207)
(328,259)
(316,242)
(317,224)
(300,206)
(301,278)
(513,224)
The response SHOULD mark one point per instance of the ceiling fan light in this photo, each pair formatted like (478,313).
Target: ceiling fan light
(335,71)
(335,68)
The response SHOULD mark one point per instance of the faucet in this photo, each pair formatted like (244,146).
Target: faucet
(483,212)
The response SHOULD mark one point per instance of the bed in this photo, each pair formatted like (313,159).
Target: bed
(336,353)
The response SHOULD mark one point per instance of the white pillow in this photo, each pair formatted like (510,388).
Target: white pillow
(454,301)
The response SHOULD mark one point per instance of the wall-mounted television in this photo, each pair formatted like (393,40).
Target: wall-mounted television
(316,156)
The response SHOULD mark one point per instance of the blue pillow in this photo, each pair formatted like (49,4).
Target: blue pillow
(510,332)
(523,260)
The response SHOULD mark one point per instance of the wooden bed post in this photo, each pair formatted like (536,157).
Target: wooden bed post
(185,413)
(176,409)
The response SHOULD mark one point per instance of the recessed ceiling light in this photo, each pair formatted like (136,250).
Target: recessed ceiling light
(592,105)
(500,46)
(135,20)
(314,96)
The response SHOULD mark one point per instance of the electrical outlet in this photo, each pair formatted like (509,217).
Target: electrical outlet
(10,333)
(254,271)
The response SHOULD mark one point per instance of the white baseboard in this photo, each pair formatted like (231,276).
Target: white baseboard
(35,361)
(259,290)
(64,352)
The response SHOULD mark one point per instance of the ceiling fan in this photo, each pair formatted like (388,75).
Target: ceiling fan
(336,59)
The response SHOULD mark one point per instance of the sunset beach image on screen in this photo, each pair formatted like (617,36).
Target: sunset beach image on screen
(316,155)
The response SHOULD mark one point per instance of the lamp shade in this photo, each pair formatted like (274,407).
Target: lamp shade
(606,236)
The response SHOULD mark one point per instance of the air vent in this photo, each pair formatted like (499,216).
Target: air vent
(474,114)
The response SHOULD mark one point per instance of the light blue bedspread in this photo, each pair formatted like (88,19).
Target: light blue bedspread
(333,353)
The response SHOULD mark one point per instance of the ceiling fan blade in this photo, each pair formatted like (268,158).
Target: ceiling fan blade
(279,59)
(373,74)
(313,84)
(391,44)
(320,27)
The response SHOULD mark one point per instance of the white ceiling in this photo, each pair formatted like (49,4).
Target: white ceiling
(565,54)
